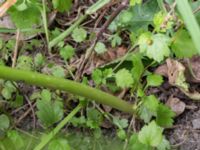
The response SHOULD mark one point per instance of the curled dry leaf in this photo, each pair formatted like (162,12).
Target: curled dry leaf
(176,105)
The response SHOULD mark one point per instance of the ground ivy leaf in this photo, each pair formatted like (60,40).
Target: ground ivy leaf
(49,112)
(151,134)
(62,5)
(120,123)
(164,116)
(26,18)
(183,46)
(149,108)
(59,144)
(4,122)
(154,46)
(124,78)
(97,76)
(67,52)
(94,118)
(135,144)
(100,48)
(79,35)
(154,80)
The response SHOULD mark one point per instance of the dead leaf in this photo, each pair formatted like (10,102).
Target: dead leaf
(176,105)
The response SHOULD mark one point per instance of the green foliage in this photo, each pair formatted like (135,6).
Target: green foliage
(100,48)
(25,13)
(134,2)
(62,5)
(79,35)
(182,45)
(59,144)
(124,78)
(58,71)
(39,60)
(154,80)
(67,52)
(4,122)
(8,90)
(164,116)
(151,134)
(155,46)
(94,118)
(25,63)
(149,107)
(135,144)
(99,76)
(49,112)
(115,40)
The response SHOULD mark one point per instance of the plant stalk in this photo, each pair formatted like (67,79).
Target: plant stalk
(72,87)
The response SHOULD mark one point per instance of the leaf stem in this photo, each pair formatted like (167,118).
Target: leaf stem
(72,87)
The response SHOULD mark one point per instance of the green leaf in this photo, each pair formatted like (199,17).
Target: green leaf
(46,95)
(164,116)
(149,107)
(79,35)
(124,78)
(138,67)
(155,46)
(59,144)
(151,134)
(94,118)
(26,18)
(38,60)
(115,40)
(120,123)
(134,2)
(49,112)
(8,90)
(100,48)
(121,134)
(58,71)
(16,139)
(24,63)
(4,122)
(67,52)
(164,145)
(97,76)
(182,46)
(154,80)
(135,144)
(62,5)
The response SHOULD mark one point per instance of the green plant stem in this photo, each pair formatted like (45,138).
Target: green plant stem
(67,32)
(45,24)
(190,21)
(48,137)
(72,87)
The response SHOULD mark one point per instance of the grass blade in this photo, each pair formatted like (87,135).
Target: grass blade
(190,21)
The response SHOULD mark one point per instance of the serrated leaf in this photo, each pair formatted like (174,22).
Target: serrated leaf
(62,5)
(94,118)
(26,18)
(120,123)
(97,76)
(59,144)
(182,46)
(135,144)
(67,52)
(151,134)
(154,80)
(49,112)
(124,78)
(100,48)
(155,46)
(79,34)
(149,107)
(164,116)
(46,95)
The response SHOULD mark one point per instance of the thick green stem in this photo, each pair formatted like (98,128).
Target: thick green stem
(67,32)
(90,93)
(48,137)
